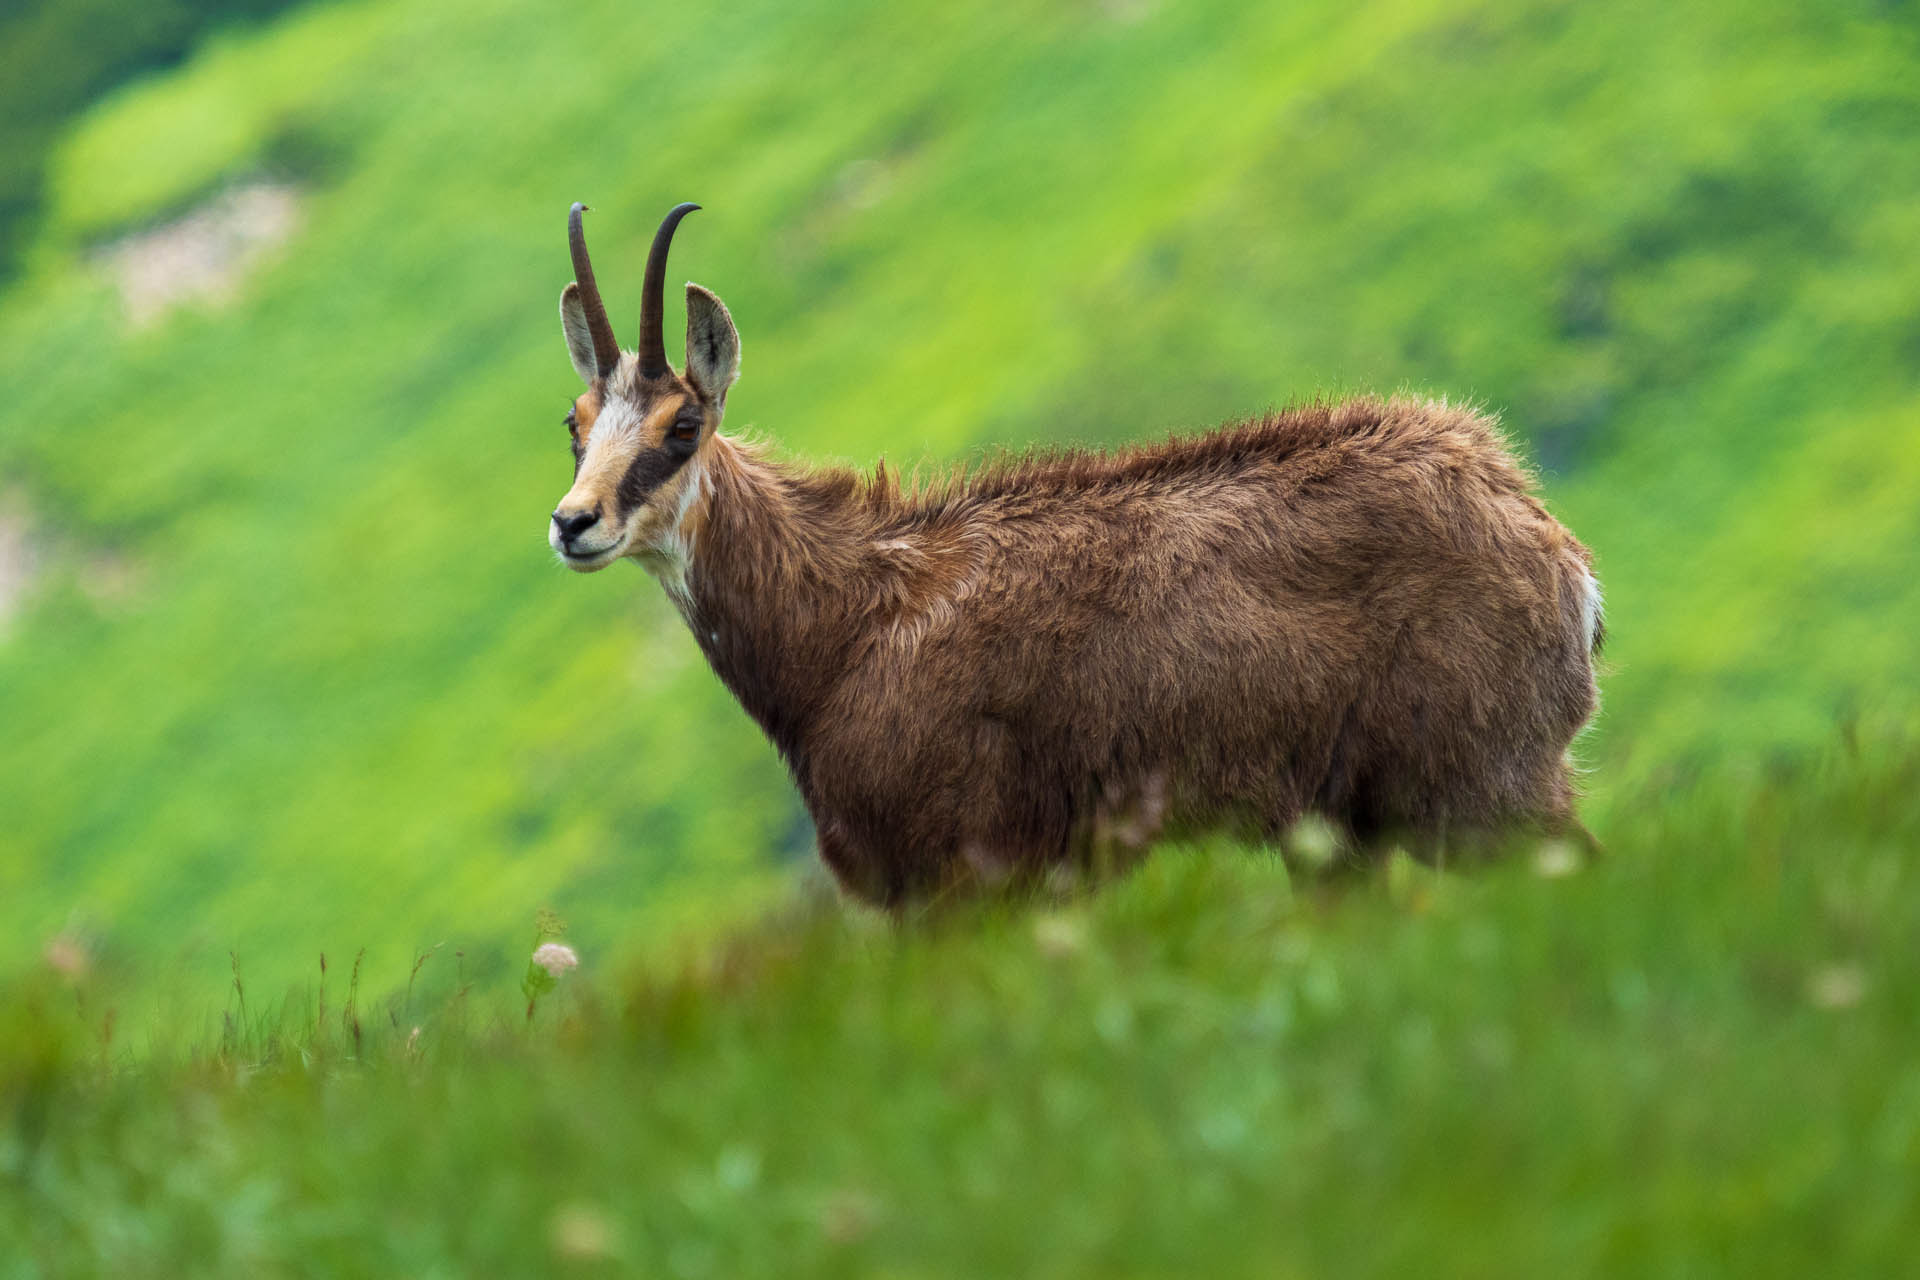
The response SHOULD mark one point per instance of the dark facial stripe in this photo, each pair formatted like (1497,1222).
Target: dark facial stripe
(649,469)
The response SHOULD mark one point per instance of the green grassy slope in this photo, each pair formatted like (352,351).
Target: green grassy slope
(348,700)
(1696,1060)
(57,56)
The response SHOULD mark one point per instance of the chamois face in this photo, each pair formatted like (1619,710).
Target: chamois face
(637,443)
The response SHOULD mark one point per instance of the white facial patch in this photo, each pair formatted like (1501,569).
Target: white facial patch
(611,447)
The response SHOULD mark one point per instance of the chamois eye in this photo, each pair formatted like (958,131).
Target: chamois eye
(685,428)
(571,421)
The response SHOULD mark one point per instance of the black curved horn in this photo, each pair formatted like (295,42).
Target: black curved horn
(606,348)
(653,342)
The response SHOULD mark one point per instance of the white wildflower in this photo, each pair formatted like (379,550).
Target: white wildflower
(582,1232)
(1836,986)
(1058,935)
(1555,859)
(67,956)
(556,958)
(1314,842)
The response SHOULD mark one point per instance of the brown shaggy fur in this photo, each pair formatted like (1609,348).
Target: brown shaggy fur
(1356,610)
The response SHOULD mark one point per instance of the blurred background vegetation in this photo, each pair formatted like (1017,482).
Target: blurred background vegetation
(286,664)
(286,667)
(58,56)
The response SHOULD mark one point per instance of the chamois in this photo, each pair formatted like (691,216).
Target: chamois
(1357,610)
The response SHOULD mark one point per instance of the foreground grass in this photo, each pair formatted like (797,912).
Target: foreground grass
(1694,1059)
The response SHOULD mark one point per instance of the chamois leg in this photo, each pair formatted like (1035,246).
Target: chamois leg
(1126,822)
(861,872)
(1570,830)
(1558,821)
(1430,846)
(1449,842)
(975,872)
(1584,840)
(1358,845)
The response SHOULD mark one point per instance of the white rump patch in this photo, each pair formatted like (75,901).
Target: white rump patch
(1592,607)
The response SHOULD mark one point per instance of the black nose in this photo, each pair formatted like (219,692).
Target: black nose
(572,526)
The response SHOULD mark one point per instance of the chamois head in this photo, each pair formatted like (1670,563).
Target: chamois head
(639,427)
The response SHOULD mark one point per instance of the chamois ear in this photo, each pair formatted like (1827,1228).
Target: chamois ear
(573,322)
(713,346)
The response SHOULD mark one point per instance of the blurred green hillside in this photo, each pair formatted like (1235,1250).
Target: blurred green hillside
(295,672)
(58,55)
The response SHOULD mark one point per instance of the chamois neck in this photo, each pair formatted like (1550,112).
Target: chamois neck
(775,584)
